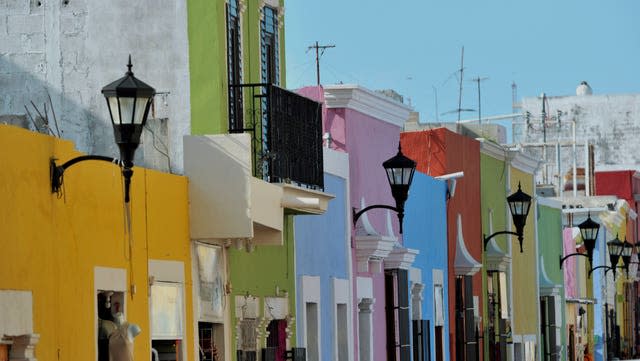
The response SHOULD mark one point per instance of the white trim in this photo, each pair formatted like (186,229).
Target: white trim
(367,102)
(365,288)
(492,149)
(549,202)
(109,279)
(523,161)
(464,263)
(336,163)
(341,295)
(310,293)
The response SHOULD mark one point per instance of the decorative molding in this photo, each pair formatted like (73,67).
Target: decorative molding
(400,258)
(523,161)
(496,258)
(464,264)
(372,248)
(492,149)
(365,305)
(547,287)
(549,202)
(367,102)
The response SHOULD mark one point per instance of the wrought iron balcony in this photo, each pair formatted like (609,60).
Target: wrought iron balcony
(286,130)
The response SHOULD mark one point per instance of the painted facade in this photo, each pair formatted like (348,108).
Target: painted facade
(425,230)
(553,338)
(439,152)
(366,125)
(524,268)
(498,304)
(71,254)
(323,270)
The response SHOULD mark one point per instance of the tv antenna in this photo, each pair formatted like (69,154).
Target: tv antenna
(478,80)
(460,109)
(320,49)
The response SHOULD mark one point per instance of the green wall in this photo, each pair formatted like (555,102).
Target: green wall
(550,247)
(492,198)
(208,63)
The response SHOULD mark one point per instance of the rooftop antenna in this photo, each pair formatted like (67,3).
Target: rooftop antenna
(461,70)
(435,94)
(320,49)
(478,80)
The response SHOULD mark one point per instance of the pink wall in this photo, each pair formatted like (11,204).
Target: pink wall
(369,142)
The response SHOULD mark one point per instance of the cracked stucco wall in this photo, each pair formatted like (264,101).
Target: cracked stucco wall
(610,122)
(70,49)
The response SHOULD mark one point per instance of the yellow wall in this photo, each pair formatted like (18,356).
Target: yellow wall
(51,245)
(525,301)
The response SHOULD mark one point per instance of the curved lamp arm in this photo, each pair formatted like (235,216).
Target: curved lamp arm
(356,215)
(607,269)
(487,239)
(57,171)
(562,259)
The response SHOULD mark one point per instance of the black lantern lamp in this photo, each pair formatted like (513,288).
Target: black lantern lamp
(589,232)
(615,248)
(128,100)
(400,170)
(627,252)
(519,205)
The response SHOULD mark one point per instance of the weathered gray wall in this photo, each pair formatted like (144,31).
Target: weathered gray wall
(610,122)
(70,49)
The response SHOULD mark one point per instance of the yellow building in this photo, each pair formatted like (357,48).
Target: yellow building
(67,256)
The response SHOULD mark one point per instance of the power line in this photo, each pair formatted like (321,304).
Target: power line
(320,49)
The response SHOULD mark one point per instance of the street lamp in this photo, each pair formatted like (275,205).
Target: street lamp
(615,247)
(519,205)
(589,232)
(627,251)
(400,170)
(128,100)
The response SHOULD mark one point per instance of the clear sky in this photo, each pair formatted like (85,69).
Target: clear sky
(414,46)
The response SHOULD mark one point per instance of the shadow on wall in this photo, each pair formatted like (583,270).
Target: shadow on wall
(27,101)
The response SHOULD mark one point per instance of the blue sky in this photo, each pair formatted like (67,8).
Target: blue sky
(413,47)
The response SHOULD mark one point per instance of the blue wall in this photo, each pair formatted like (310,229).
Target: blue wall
(425,229)
(321,243)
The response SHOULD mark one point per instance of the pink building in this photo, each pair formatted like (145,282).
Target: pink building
(367,126)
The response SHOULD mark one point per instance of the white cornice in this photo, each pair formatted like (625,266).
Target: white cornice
(549,202)
(495,258)
(492,149)
(367,102)
(524,162)
(400,258)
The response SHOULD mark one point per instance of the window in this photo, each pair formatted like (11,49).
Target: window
(313,349)
(465,320)
(109,304)
(166,320)
(234,65)
(269,54)
(397,314)
(342,335)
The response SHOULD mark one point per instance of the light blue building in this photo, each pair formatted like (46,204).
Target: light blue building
(425,229)
(323,271)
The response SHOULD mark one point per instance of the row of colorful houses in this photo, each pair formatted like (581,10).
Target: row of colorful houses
(238,242)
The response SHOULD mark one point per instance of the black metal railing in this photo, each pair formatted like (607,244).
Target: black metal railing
(286,130)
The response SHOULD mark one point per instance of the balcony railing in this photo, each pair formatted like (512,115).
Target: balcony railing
(286,130)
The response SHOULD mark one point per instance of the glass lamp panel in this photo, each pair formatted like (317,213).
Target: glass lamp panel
(627,249)
(390,176)
(115,109)
(141,106)
(614,248)
(408,175)
(126,110)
